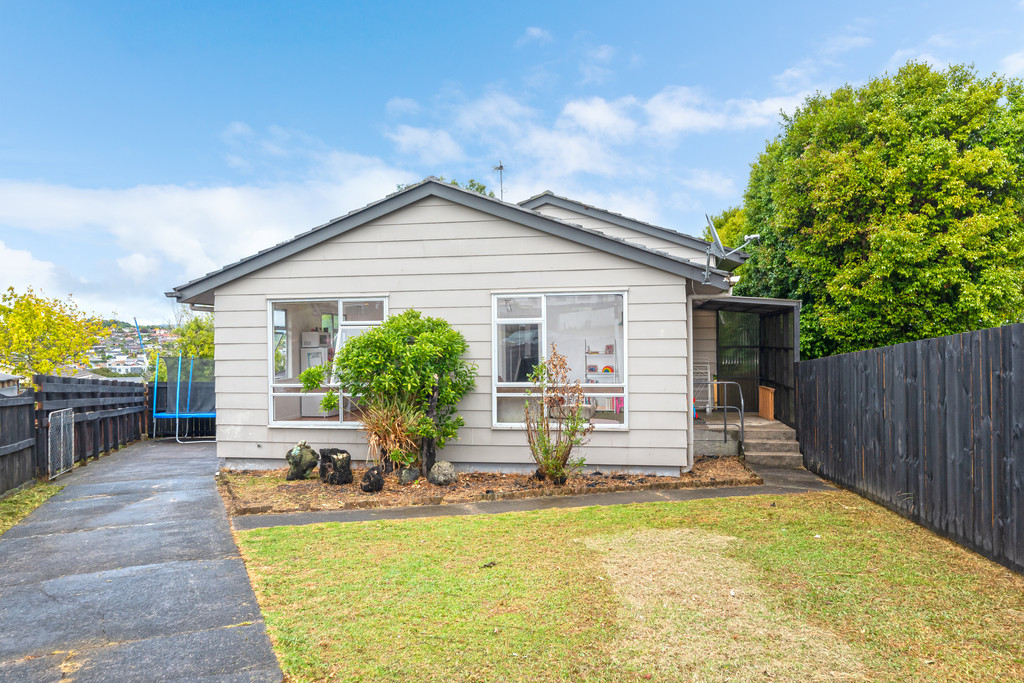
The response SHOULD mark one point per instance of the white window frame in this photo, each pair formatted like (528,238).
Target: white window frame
(544,348)
(271,384)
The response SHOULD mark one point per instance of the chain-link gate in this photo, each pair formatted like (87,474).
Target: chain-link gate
(61,441)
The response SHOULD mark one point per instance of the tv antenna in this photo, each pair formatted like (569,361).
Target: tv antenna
(716,249)
(500,168)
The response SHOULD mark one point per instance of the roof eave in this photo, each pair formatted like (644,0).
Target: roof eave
(200,291)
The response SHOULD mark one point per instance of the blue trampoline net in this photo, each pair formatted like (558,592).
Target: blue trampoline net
(189,390)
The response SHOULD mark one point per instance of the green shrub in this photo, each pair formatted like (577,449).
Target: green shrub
(411,365)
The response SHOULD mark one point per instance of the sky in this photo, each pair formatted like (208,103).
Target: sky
(144,144)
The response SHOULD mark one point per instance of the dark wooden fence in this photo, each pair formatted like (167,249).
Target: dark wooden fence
(932,429)
(17,440)
(108,414)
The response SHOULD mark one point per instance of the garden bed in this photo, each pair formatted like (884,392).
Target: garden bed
(264,491)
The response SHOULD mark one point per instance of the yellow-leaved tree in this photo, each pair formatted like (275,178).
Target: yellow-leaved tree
(39,335)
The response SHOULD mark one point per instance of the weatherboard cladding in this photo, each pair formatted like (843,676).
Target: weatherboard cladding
(200,291)
(446,258)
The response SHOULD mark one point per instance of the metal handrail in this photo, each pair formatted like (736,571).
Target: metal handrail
(727,407)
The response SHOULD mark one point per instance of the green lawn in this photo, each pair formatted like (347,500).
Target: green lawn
(822,586)
(17,506)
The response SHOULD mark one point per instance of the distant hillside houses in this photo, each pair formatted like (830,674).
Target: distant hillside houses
(121,352)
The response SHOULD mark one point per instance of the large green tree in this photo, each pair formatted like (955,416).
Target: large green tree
(894,211)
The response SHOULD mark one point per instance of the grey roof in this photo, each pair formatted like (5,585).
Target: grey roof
(5,377)
(548,197)
(200,290)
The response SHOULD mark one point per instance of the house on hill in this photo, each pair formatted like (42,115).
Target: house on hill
(640,312)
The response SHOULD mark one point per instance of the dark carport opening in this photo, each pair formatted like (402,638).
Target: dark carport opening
(758,345)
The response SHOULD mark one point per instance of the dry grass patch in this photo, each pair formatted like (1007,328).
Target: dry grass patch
(695,613)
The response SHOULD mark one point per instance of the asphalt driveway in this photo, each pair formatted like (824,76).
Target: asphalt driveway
(131,574)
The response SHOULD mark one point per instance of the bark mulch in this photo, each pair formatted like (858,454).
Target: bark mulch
(264,491)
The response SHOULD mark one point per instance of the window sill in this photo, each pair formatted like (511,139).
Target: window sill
(522,428)
(313,425)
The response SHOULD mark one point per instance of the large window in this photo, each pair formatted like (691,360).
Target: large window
(587,328)
(306,334)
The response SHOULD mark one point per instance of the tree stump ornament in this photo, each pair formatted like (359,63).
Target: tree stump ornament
(335,466)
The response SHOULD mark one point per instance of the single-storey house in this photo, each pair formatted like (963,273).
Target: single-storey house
(639,311)
(10,385)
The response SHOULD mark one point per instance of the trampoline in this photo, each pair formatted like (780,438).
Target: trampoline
(189,393)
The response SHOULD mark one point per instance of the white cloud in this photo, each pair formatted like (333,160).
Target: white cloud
(941,40)
(1013,65)
(495,112)
(594,67)
(678,109)
(20,269)
(805,74)
(559,153)
(430,146)
(138,267)
(237,130)
(837,45)
(709,182)
(399,106)
(800,76)
(599,116)
(177,232)
(534,34)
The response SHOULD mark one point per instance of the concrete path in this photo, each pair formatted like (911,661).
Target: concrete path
(131,574)
(776,480)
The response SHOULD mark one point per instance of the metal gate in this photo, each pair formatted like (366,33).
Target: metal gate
(61,441)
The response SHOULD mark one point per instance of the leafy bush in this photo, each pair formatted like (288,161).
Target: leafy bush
(555,420)
(410,367)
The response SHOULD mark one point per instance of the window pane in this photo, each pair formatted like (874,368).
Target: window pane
(360,311)
(304,335)
(519,307)
(518,351)
(346,333)
(607,410)
(301,407)
(511,409)
(588,331)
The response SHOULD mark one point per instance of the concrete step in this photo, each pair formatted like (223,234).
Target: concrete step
(780,433)
(764,446)
(775,459)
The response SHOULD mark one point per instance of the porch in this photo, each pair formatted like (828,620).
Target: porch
(745,350)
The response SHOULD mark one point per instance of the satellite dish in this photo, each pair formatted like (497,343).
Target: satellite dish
(718,249)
